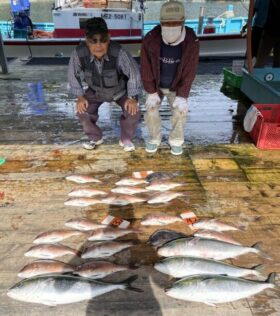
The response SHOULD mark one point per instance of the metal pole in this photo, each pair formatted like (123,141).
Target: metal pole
(200,20)
(249,37)
(3,59)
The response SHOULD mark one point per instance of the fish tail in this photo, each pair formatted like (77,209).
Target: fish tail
(258,249)
(127,284)
(271,281)
(256,270)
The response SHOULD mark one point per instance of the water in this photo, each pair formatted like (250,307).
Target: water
(41,11)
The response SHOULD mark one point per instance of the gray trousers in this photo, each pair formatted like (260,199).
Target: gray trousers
(178,119)
(128,122)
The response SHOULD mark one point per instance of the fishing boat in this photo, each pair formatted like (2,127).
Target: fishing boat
(219,37)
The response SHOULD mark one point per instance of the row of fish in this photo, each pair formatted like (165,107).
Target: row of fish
(124,193)
(194,260)
(52,282)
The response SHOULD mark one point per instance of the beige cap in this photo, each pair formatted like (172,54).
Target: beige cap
(172,11)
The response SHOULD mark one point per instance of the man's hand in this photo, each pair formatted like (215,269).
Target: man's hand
(152,101)
(181,104)
(131,106)
(81,105)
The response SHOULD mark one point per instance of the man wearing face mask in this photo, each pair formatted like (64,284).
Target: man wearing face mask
(169,58)
(111,74)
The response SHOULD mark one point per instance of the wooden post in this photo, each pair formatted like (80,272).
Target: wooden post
(3,59)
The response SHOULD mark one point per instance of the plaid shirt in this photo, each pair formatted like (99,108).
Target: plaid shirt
(125,63)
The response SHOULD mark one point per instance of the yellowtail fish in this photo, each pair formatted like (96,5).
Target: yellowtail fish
(55,290)
(159,219)
(82,201)
(57,235)
(109,233)
(40,267)
(162,185)
(86,192)
(128,190)
(162,236)
(215,235)
(206,248)
(50,251)
(181,266)
(122,199)
(130,181)
(214,224)
(216,289)
(164,197)
(99,269)
(105,249)
(158,176)
(82,179)
(83,224)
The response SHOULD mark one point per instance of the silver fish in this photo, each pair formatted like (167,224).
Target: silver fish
(40,267)
(206,248)
(109,233)
(212,290)
(128,190)
(215,235)
(105,249)
(162,236)
(122,199)
(99,269)
(57,235)
(50,251)
(160,219)
(164,197)
(54,290)
(82,201)
(162,185)
(180,267)
(216,225)
(82,179)
(83,224)
(86,192)
(131,181)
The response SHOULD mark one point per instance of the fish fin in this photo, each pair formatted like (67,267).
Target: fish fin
(258,267)
(271,278)
(193,241)
(128,285)
(210,304)
(49,303)
(257,246)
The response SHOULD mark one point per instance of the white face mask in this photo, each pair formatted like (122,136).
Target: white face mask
(171,34)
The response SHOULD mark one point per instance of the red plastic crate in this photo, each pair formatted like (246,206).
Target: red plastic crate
(266,131)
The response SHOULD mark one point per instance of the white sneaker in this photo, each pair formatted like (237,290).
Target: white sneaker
(92,144)
(127,147)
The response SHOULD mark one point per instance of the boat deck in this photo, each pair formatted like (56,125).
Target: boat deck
(224,176)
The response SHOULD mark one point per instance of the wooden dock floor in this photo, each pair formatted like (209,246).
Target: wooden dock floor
(234,183)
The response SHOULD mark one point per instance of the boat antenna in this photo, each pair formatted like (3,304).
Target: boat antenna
(249,37)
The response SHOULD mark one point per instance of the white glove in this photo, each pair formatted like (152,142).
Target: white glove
(152,101)
(181,104)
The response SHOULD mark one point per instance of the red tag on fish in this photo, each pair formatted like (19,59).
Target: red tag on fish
(189,217)
(2,195)
(115,221)
(141,174)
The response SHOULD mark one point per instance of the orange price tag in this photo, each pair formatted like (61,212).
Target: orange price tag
(115,221)
(2,195)
(189,217)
